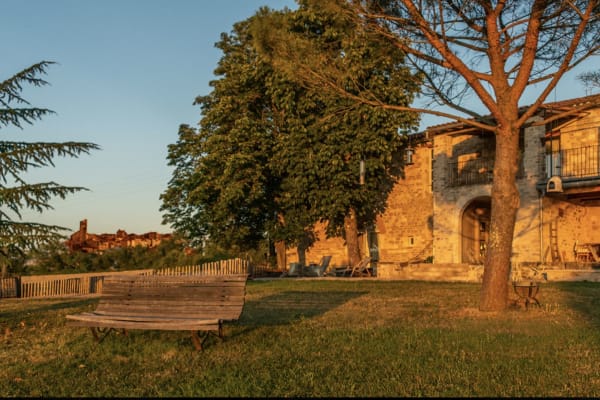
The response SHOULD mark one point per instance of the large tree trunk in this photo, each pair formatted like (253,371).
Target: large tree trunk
(352,238)
(280,250)
(302,254)
(505,204)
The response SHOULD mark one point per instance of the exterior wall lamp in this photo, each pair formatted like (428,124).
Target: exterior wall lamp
(409,153)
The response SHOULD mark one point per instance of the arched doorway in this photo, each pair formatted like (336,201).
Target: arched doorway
(475,228)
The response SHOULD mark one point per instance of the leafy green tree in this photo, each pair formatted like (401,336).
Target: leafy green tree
(224,185)
(326,155)
(273,157)
(18,157)
(54,257)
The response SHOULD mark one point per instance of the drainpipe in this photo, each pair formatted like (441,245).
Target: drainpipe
(541,200)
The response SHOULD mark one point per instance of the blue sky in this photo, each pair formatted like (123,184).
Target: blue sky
(127,74)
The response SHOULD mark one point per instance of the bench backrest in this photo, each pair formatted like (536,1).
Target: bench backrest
(202,297)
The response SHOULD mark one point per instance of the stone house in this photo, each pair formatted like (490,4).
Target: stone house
(440,211)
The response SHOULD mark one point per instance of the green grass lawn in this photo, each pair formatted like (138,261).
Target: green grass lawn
(320,338)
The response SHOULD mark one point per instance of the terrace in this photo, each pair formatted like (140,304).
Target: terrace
(578,169)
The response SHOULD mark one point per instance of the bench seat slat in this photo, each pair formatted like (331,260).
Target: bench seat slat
(223,314)
(171,302)
(172,297)
(145,323)
(142,309)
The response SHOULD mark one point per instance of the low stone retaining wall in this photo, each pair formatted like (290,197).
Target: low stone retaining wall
(474,273)
(430,272)
(584,275)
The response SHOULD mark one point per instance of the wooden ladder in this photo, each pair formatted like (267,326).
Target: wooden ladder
(554,252)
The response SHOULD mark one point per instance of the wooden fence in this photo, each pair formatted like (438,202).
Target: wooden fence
(91,283)
(8,287)
(223,267)
(67,284)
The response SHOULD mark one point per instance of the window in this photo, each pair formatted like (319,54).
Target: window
(553,156)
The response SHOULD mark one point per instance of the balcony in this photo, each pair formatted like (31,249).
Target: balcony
(582,162)
(579,170)
(478,171)
(472,172)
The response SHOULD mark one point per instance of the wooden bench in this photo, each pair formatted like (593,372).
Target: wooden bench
(193,303)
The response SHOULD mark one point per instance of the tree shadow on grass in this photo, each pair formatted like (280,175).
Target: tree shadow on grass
(56,305)
(584,299)
(286,307)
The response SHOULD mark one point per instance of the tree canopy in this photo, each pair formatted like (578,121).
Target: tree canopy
(18,157)
(343,132)
(223,186)
(271,156)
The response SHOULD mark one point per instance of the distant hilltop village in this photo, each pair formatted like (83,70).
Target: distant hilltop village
(92,243)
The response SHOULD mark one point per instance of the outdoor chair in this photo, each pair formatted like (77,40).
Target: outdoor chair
(295,270)
(319,269)
(360,269)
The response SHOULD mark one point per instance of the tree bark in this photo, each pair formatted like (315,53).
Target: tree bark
(302,254)
(505,204)
(352,237)
(280,250)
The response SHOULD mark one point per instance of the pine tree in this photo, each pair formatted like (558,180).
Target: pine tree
(16,158)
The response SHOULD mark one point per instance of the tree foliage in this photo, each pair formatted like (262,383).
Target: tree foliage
(341,132)
(17,158)
(475,51)
(55,258)
(272,156)
(223,186)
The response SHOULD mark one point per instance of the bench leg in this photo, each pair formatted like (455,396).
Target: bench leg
(198,339)
(97,331)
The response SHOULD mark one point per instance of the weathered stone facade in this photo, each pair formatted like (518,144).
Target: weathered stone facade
(404,231)
(439,211)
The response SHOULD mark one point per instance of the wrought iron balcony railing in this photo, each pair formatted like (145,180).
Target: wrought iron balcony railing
(471,172)
(581,162)
(478,171)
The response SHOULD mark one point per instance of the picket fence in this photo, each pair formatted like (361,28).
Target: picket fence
(223,267)
(91,283)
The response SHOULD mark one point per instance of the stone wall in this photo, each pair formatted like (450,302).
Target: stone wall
(324,246)
(576,220)
(402,233)
(405,231)
(451,201)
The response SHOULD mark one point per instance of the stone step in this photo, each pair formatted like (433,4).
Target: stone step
(432,272)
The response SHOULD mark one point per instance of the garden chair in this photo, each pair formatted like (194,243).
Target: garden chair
(294,270)
(362,268)
(319,269)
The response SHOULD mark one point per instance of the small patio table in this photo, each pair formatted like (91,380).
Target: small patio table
(526,292)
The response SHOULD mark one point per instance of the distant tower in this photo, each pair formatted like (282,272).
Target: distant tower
(83,230)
